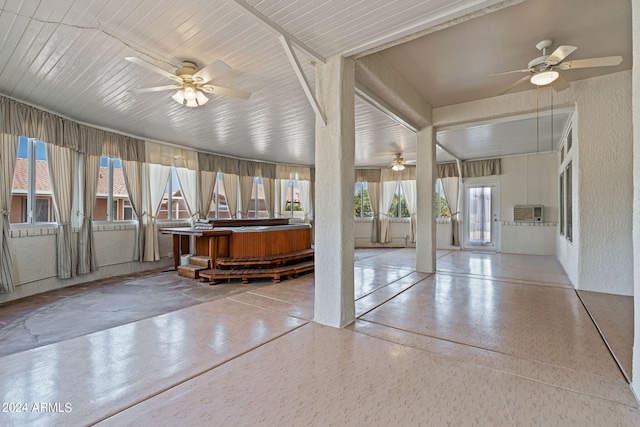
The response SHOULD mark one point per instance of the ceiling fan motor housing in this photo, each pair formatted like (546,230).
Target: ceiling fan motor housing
(186,70)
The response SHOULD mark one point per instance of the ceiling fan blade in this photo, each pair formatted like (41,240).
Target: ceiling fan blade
(225,91)
(559,54)
(560,84)
(607,61)
(151,67)
(211,71)
(518,82)
(524,70)
(155,89)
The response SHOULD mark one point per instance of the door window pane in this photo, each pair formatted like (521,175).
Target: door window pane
(479,215)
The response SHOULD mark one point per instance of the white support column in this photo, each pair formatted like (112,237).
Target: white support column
(425,182)
(335,156)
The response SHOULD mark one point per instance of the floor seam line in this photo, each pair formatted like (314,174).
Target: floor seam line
(496,369)
(191,377)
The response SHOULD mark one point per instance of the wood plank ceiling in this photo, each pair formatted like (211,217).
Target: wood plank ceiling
(67,56)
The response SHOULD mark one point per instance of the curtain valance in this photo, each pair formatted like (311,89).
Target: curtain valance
(388,174)
(447,170)
(479,168)
(368,175)
(300,173)
(21,119)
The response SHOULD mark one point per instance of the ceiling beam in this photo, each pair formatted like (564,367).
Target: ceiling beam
(302,78)
(375,101)
(374,74)
(279,30)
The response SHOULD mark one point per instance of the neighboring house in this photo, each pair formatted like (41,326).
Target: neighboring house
(43,210)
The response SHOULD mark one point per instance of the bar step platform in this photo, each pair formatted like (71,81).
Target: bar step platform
(190,270)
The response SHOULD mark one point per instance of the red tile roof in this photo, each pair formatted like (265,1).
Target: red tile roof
(21,176)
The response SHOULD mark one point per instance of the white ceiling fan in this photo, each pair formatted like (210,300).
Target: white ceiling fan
(399,162)
(543,70)
(190,83)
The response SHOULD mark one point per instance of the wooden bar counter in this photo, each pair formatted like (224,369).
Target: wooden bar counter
(241,241)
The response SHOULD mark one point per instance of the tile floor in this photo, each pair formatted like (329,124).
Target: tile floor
(488,340)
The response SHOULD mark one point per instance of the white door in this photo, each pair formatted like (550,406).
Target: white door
(482,223)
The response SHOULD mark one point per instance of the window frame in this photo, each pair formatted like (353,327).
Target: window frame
(110,197)
(30,198)
(364,186)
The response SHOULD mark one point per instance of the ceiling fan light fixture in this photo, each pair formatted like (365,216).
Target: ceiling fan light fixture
(179,96)
(200,98)
(544,78)
(398,167)
(189,94)
(192,103)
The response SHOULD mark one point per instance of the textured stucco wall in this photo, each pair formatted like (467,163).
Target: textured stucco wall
(635,4)
(605,184)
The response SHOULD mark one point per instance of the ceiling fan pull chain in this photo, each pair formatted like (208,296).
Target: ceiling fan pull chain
(537,119)
(551,148)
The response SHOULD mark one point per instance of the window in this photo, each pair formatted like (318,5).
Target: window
(569,203)
(293,205)
(398,207)
(258,204)
(219,208)
(173,205)
(361,202)
(442,208)
(569,140)
(561,193)
(30,191)
(112,193)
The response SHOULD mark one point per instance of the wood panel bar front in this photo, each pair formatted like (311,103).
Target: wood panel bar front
(238,242)
(275,241)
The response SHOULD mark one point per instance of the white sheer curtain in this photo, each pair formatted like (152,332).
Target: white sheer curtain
(269,196)
(61,164)
(207,185)
(451,187)
(246,185)
(188,179)
(409,188)
(374,198)
(231,193)
(157,177)
(284,191)
(86,245)
(387,190)
(305,200)
(133,180)
(8,155)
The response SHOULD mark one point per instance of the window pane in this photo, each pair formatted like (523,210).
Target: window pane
(223,209)
(569,203)
(30,184)
(562,204)
(258,191)
(111,186)
(101,210)
(20,186)
(42,212)
(120,193)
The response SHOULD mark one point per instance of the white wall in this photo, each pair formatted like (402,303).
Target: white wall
(33,251)
(635,384)
(529,180)
(604,184)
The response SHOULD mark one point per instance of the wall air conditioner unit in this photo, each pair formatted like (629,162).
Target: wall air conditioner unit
(527,213)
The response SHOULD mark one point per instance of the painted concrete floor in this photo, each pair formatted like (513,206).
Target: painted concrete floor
(488,340)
